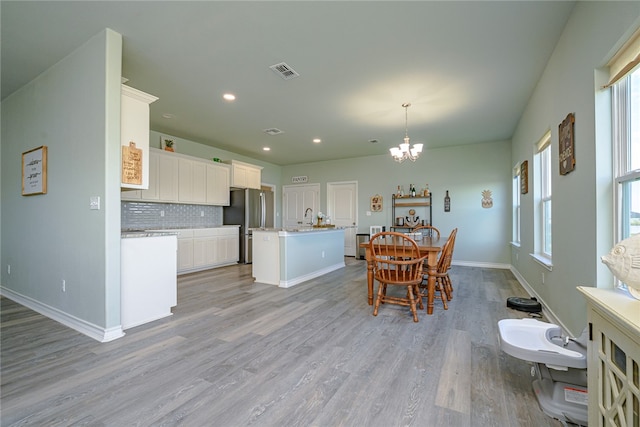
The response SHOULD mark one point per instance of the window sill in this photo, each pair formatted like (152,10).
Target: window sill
(515,244)
(543,260)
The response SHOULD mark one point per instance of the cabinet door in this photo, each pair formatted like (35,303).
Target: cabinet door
(217,185)
(185,254)
(240,176)
(168,178)
(253,178)
(191,181)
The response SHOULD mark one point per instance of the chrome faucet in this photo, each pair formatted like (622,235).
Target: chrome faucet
(309,210)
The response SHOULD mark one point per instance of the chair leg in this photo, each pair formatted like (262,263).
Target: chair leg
(440,287)
(449,287)
(381,291)
(419,296)
(412,303)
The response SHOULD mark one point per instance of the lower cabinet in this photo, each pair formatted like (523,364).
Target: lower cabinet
(204,248)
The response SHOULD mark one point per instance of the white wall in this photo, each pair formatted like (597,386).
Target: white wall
(74,109)
(582,200)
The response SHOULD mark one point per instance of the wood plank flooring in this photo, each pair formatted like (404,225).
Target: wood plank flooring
(237,353)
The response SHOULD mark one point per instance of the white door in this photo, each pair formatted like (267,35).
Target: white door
(342,206)
(298,199)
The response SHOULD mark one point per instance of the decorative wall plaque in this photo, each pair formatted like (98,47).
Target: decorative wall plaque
(131,164)
(567,147)
(524,177)
(376,203)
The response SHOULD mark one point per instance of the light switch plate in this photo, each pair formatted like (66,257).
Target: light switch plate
(94,202)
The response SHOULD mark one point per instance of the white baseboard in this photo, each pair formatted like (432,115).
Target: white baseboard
(82,326)
(309,276)
(482,264)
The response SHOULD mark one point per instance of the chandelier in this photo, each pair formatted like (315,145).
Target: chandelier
(403,152)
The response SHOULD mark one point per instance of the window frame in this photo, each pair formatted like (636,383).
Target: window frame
(516,198)
(543,224)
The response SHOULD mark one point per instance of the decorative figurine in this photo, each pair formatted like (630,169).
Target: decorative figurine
(624,263)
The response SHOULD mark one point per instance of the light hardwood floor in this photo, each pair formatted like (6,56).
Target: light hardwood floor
(236,353)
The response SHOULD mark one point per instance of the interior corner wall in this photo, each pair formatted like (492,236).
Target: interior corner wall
(55,236)
(581,225)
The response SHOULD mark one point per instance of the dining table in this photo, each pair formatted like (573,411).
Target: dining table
(428,245)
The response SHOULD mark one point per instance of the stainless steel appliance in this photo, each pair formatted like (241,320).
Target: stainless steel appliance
(249,209)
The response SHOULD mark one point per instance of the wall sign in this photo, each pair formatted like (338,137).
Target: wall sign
(524,177)
(34,171)
(131,164)
(567,147)
(299,179)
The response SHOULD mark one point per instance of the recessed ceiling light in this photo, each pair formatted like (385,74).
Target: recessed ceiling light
(317,140)
(167,116)
(229,96)
(266,149)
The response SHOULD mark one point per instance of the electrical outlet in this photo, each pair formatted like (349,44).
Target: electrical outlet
(543,278)
(322,254)
(9,269)
(64,285)
(201,213)
(161,213)
(517,257)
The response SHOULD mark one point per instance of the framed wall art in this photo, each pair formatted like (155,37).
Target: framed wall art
(524,177)
(567,146)
(34,171)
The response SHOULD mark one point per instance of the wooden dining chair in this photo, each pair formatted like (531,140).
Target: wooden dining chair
(426,230)
(397,262)
(446,279)
(443,283)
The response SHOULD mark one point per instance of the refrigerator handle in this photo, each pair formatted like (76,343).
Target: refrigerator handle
(263,208)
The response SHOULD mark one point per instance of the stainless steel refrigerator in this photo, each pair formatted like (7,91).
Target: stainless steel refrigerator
(249,209)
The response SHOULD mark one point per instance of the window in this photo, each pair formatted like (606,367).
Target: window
(516,205)
(542,195)
(626,139)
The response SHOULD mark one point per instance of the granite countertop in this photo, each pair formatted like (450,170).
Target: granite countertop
(301,229)
(143,233)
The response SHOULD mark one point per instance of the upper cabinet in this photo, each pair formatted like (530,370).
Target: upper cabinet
(134,138)
(177,178)
(245,175)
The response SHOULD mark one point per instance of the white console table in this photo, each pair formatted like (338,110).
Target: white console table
(613,357)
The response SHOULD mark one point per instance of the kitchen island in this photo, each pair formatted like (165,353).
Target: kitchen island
(287,257)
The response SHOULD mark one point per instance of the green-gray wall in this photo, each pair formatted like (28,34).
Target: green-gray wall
(74,109)
(582,200)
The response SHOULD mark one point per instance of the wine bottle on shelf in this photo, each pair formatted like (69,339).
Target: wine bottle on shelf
(447,202)
(399,193)
(413,190)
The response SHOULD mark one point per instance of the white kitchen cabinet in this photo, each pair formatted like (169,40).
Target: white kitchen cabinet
(177,178)
(245,175)
(192,181)
(204,248)
(167,178)
(185,250)
(134,127)
(218,176)
(613,357)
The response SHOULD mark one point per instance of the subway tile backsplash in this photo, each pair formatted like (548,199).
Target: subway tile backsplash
(150,216)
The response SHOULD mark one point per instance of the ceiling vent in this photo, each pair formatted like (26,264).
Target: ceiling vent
(273,131)
(284,71)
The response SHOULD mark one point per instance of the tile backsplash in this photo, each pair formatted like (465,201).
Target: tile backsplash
(148,216)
